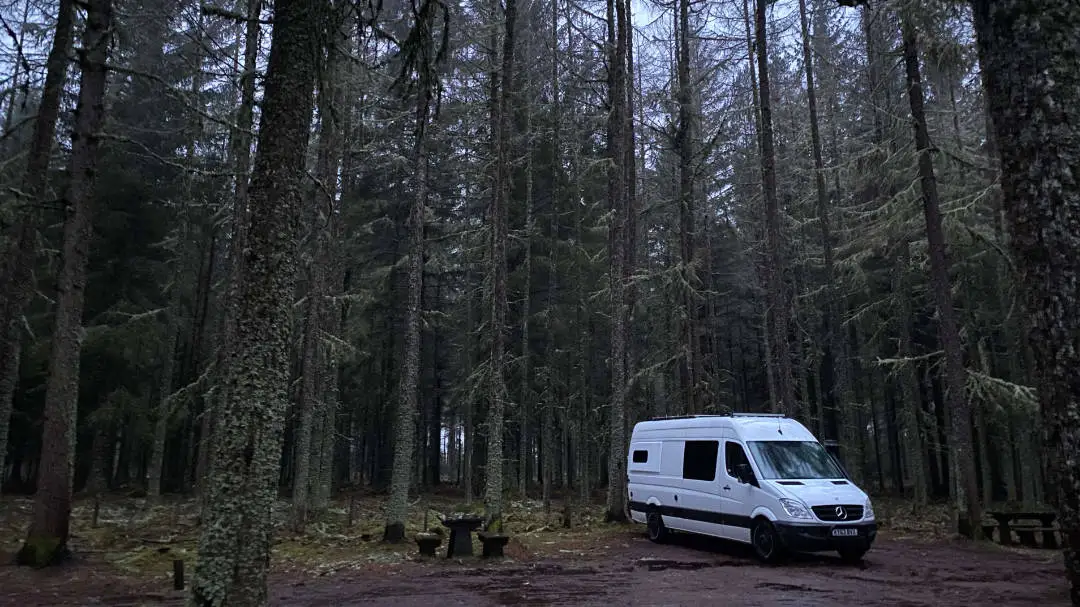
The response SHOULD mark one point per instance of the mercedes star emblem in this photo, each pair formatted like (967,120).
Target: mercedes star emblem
(841,513)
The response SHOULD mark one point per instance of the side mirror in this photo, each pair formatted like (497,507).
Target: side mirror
(744,473)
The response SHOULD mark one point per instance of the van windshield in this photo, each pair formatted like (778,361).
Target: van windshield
(794,460)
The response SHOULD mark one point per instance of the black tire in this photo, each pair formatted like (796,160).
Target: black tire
(852,554)
(654,524)
(766,542)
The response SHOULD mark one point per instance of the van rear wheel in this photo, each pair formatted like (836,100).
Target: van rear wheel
(767,546)
(655,524)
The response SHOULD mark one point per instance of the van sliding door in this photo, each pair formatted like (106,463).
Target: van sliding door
(698,505)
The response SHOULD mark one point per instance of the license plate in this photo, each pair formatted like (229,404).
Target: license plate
(845,532)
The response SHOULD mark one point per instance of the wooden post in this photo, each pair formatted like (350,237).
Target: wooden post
(178,574)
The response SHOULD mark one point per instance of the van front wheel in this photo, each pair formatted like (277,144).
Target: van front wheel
(767,546)
(655,523)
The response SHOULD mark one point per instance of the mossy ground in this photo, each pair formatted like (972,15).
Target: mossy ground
(142,538)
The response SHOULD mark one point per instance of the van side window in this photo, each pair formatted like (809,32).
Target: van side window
(734,455)
(641,456)
(699,460)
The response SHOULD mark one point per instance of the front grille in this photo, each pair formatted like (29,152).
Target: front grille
(828,513)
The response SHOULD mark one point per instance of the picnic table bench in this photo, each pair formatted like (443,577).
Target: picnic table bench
(1025,532)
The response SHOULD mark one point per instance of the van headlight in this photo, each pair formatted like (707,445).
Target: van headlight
(868,511)
(795,508)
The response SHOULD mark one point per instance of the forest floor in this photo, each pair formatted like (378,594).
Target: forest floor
(126,559)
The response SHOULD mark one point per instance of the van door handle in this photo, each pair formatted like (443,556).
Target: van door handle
(727,488)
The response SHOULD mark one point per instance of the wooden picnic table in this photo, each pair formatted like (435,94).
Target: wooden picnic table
(1026,532)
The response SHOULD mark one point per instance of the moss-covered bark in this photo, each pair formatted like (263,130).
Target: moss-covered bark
(617,274)
(422,55)
(234,549)
(397,509)
(240,158)
(501,96)
(1031,67)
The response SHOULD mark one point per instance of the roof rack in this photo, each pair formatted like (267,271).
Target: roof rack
(663,417)
(736,414)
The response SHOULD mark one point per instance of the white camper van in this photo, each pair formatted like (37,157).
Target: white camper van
(755,478)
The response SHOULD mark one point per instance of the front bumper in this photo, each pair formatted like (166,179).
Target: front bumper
(819,538)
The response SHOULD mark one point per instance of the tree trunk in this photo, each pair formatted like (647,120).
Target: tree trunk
(630,235)
(617,204)
(322,476)
(766,318)
(750,54)
(397,509)
(801,351)
(684,145)
(875,428)
(183,255)
(784,399)
(310,388)
(16,273)
(958,408)
(435,458)
(240,151)
(983,417)
(547,430)
(316,420)
(468,425)
(1012,338)
(161,423)
(234,548)
(101,461)
(493,472)
(16,87)
(46,542)
(1027,50)
(832,334)
(582,359)
(911,415)
(524,418)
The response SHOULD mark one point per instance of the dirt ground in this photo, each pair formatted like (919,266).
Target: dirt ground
(619,568)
